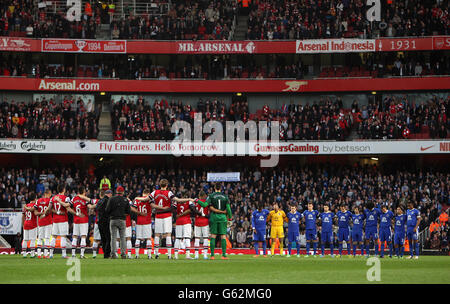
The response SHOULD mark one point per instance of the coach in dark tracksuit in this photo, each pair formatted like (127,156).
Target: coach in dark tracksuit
(103,223)
(118,207)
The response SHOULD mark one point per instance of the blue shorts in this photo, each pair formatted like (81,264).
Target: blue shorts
(357,236)
(411,235)
(327,237)
(343,234)
(259,236)
(399,239)
(371,233)
(386,235)
(311,234)
(293,236)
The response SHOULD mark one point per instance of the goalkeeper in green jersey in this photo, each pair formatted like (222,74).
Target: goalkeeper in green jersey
(220,213)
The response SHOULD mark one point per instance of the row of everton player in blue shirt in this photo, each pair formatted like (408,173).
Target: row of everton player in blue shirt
(373,224)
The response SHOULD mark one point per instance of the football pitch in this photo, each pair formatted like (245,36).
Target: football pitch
(237,270)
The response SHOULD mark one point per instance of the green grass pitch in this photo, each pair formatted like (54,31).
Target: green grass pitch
(238,269)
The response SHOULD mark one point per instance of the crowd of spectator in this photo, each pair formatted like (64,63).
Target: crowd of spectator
(143,120)
(268,20)
(305,19)
(48,119)
(400,118)
(26,18)
(391,184)
(185,20)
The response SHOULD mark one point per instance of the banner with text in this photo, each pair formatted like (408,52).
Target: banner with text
(223,86)
(10,222)
(224,148)
(84,46)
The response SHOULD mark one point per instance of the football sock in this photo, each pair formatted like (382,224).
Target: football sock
(323,248)
(354,249)
(375,243)
(331,249)
(382,249)
(149,248)
(213,245)
(196,245)
(390,249)
(340,248)
(63,246)
(53,244)
(32,247)
(187,243)
(281,248)
(39,247)
(289,248)
(137,245)
(205,247)
(315,247)
(83,246)
(94,249)
(169,246)
(176,247)
(272,248)
(24,248)
(264,247)
(156,245)
(74,246)
(224,247)
(308,246)
(256,248)
(417,248)
(129,246)
(46,246)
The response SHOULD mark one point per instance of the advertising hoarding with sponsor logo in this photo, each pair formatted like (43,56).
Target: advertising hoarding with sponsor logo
(225,47)
(83,46)
(226,149)
(224,86)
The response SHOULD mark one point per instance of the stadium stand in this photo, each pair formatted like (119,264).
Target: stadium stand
(283,19)
(47,119)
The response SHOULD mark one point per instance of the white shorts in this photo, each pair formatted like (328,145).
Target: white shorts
(80,229)
(183,231)
(144,231)
(97,236)
(127,232)
(45,232)
(29,235)
(163,225)
(201,232)
(60,228)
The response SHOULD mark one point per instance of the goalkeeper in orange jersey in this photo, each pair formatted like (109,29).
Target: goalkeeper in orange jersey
(276,217)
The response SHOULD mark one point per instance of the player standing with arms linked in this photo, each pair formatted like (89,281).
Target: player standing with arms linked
(163,219)
(201,225)
(386,217)
(371,234)
(326,218)
(60,205)
(412,229)
(143,224)
(343,219)
(29,220)
(259,220)
(277,217)
(45,223)
(310,217)
(357,230)
(294,218)
(220,213)
(399,232)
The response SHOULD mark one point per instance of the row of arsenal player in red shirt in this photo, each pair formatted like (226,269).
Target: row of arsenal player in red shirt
(54,209)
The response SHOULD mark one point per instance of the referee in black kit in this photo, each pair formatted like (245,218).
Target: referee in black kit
(103,222)
(118,207)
